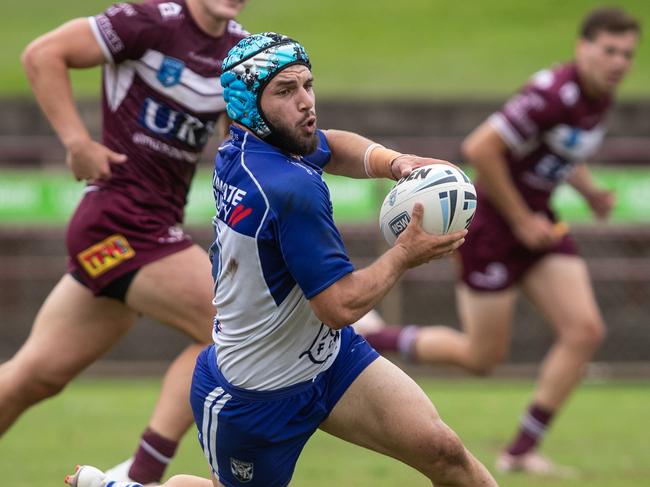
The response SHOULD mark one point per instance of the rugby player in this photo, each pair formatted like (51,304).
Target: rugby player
(285,362)
(541,137)
(128,254)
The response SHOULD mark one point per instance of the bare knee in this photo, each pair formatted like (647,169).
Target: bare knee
(448,457)
(33,384)
(483,364)
(585,335)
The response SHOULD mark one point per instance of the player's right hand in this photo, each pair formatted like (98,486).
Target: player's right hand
(536,232)
(89,160)
(422,247)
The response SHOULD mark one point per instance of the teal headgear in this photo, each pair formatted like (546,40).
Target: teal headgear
(248,68)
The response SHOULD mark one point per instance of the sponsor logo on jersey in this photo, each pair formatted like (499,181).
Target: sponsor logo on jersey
(242,471)
(169,123)
(228,199)
(399,223)
(105,255)
(113,41)
(169,10)
(169,73)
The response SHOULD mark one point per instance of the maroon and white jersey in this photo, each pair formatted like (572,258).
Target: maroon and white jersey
(549,126)
(161,98)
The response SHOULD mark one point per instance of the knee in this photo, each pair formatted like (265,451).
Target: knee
(449,457)
(587,334)
(485,363)
(33,384)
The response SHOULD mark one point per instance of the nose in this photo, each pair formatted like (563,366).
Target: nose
(305,100)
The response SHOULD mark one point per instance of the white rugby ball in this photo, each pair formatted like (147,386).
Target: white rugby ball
(447,194)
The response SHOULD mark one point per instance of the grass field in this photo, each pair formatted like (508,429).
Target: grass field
(603,431)
(380,48)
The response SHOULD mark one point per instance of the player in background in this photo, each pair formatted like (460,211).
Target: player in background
(128,254)
(540,137)
(285,362)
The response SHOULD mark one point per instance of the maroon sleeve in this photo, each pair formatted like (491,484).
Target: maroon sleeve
(126,31)
(531,112)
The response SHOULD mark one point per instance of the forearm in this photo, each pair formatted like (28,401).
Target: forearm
(346,301)
(356,156)
(494,177)
(580,178)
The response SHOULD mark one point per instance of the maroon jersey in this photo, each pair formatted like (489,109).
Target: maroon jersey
(161,98)
(548,126)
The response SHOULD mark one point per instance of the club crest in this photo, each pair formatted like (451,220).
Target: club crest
(170,71)
(242,471)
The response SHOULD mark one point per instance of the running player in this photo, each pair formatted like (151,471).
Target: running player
(128,254)
(285,362)
(540,137)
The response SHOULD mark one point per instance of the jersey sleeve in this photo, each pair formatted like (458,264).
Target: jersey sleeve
(531,112)
(309,241)
(322,155)
(126,31)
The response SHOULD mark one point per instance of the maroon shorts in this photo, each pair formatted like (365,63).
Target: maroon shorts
(493,259)
(110,236)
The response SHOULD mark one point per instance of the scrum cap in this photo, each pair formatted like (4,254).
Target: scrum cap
(248,68)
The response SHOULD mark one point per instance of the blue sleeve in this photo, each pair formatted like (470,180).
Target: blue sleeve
(322,155)
(309,241)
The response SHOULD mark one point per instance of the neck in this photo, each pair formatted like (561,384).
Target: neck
(589,87)
(208,23)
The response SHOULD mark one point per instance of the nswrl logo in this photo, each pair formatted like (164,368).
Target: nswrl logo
(399,223)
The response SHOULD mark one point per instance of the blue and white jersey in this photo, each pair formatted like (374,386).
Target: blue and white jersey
(276,246)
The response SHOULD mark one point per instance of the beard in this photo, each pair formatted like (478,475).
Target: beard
(286,139)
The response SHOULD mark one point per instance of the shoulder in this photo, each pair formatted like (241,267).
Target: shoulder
(235,29)
(557,86)
(286,183)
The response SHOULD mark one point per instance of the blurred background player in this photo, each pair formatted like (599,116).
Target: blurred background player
(285,362)
(541,137)
(127,253)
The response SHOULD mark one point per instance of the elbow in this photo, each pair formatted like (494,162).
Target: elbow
(336,319)
(469,150)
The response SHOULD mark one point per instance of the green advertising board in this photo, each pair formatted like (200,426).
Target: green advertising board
(49,197)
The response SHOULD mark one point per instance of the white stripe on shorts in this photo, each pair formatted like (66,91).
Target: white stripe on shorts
(213,404)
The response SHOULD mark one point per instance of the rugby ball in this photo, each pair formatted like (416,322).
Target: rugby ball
(447,194)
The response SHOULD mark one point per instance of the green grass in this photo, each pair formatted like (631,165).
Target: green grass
(381,48)
(603,431)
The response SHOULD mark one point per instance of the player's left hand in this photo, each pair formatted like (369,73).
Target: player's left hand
(601,202)
(403,165)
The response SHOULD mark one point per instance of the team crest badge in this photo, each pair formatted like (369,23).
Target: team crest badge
(170,71)
(242,471)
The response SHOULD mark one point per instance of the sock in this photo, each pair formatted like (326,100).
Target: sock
(531,430)
(385,340)
(406,342)
(151,459)
(394,339)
